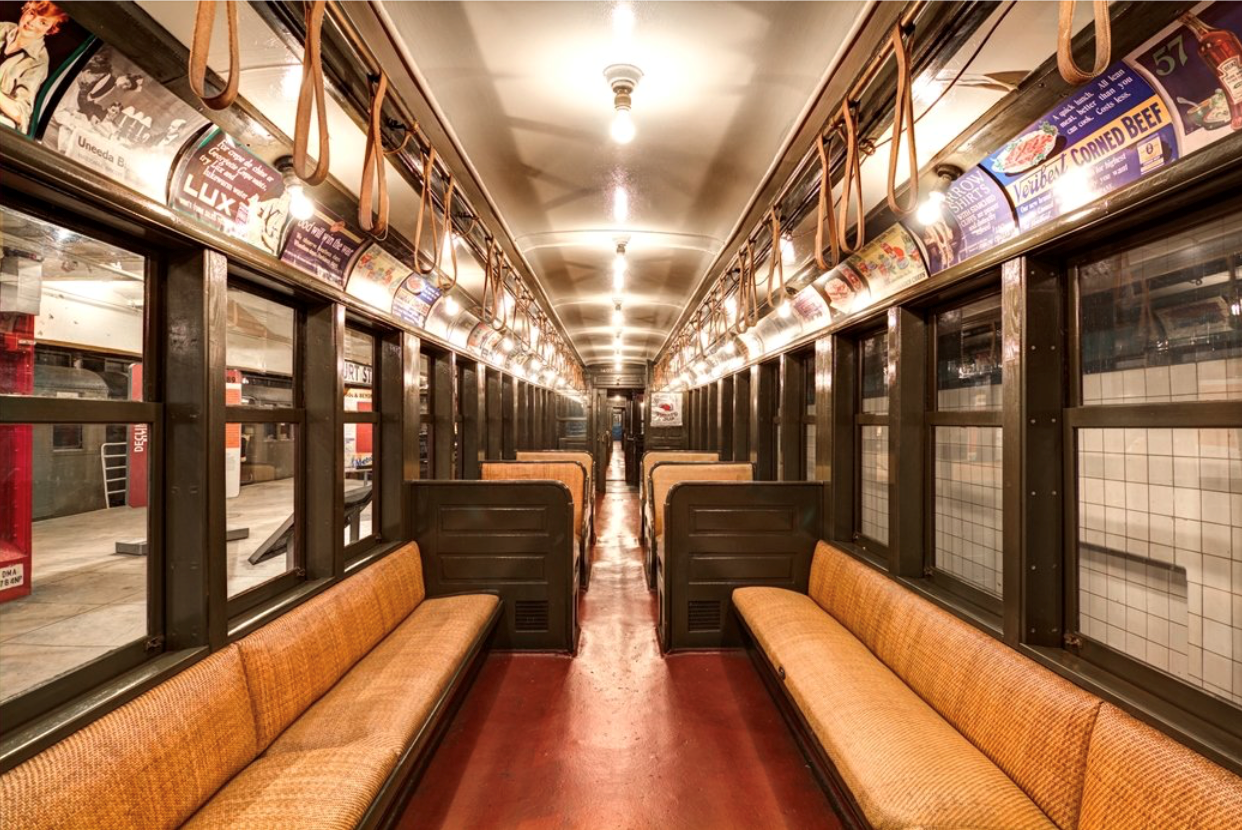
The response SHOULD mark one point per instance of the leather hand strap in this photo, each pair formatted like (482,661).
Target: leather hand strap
(200,46)
(373,169)
(312,85)
(776,262)
(903,118)
(429,166)
(853,180)
(1065,41)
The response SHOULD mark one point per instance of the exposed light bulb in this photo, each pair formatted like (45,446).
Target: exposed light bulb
(536,364)
(730,347)
(451,305)
(618,282)
(620,204)
(618,264)
(618,317)
(622,129)
(931,210)
(300,205)
(1074,188)
(788,256)
(784,309)
(506,345)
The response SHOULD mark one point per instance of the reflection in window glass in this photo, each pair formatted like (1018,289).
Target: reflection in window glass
(968,357)
(875,375)
(1160,539)
(81,513)
(260,509)
(1162,321)
(80,301)
(259,351)
(424,417)
(359,450)
(874,474)
(808,409)
(968,505)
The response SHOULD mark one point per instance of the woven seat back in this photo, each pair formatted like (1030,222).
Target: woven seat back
(571,473)
(664,476)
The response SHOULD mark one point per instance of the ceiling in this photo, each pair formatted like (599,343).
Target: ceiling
(522,85)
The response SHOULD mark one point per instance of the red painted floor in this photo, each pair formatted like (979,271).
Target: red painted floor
(620,736)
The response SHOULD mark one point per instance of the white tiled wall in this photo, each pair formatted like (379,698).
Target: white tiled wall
(969,398)
(968,502)
(1210,380)
(875,483)
(1163,508)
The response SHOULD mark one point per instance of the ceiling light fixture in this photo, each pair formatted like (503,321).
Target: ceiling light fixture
(451,305)
(622,78)
(300,205)
(618,270)
(931,210)
(788,255)
(620,204)
(506,345)
(618,318)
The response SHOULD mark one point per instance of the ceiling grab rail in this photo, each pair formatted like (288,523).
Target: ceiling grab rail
(903,118)
(1070,70)
(312,85)
(200,46)
(374,174)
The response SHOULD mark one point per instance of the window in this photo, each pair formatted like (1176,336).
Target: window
(426,430)
(872,421)
(967,477)
(360,429)
(262,446)
(1158,455)
(808,415)
(76,537)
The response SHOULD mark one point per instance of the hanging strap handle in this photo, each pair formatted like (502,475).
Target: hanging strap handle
(429,166)
(204,22)
(903,118)
(776,262)
(1070,70)
(312,86)
(826,210)
(445,238)
(373,172)
(852,181)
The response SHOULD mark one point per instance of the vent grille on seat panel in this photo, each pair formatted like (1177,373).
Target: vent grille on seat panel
(530,615)
(704,615)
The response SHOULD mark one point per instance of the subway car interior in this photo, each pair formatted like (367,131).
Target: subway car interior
(628,414)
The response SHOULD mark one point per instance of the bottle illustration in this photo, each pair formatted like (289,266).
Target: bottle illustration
(1222,52)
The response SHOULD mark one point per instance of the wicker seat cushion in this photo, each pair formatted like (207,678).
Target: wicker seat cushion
(293,660)
(905,764)
(390,693)
(1139,778)
(397,581)
(328,789)
(1031,723)
(149,764)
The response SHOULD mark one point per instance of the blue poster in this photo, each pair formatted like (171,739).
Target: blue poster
(1111,132)
(976,216)
(414,300)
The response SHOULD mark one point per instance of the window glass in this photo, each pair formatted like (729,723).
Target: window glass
(80,301)
(425,427)
(875,375)
(1160,541)
(359,449)
(259,351)
(260,495)
(968,357)
(808,409)
(874,474)
(73,547)
(1162,321)
(968,505)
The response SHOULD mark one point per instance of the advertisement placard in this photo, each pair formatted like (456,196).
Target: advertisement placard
(376,276)
(119,121)
(665,409)
(39,47)
(889,263)
(414,301)
(976,216)
(323,246)
(223,185)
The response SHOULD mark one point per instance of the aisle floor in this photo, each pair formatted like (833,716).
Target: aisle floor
(620,736)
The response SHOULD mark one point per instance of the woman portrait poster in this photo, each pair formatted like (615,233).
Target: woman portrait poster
(38,41)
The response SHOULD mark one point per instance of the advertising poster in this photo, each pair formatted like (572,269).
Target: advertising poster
(414,301)
(483,339)
(376,276)
(226,187)
(41,45)
(887,264)
(118,121)
(1110,133)
(322,246)
(976,216)
(665,409)
(810,309)
(1196,64)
